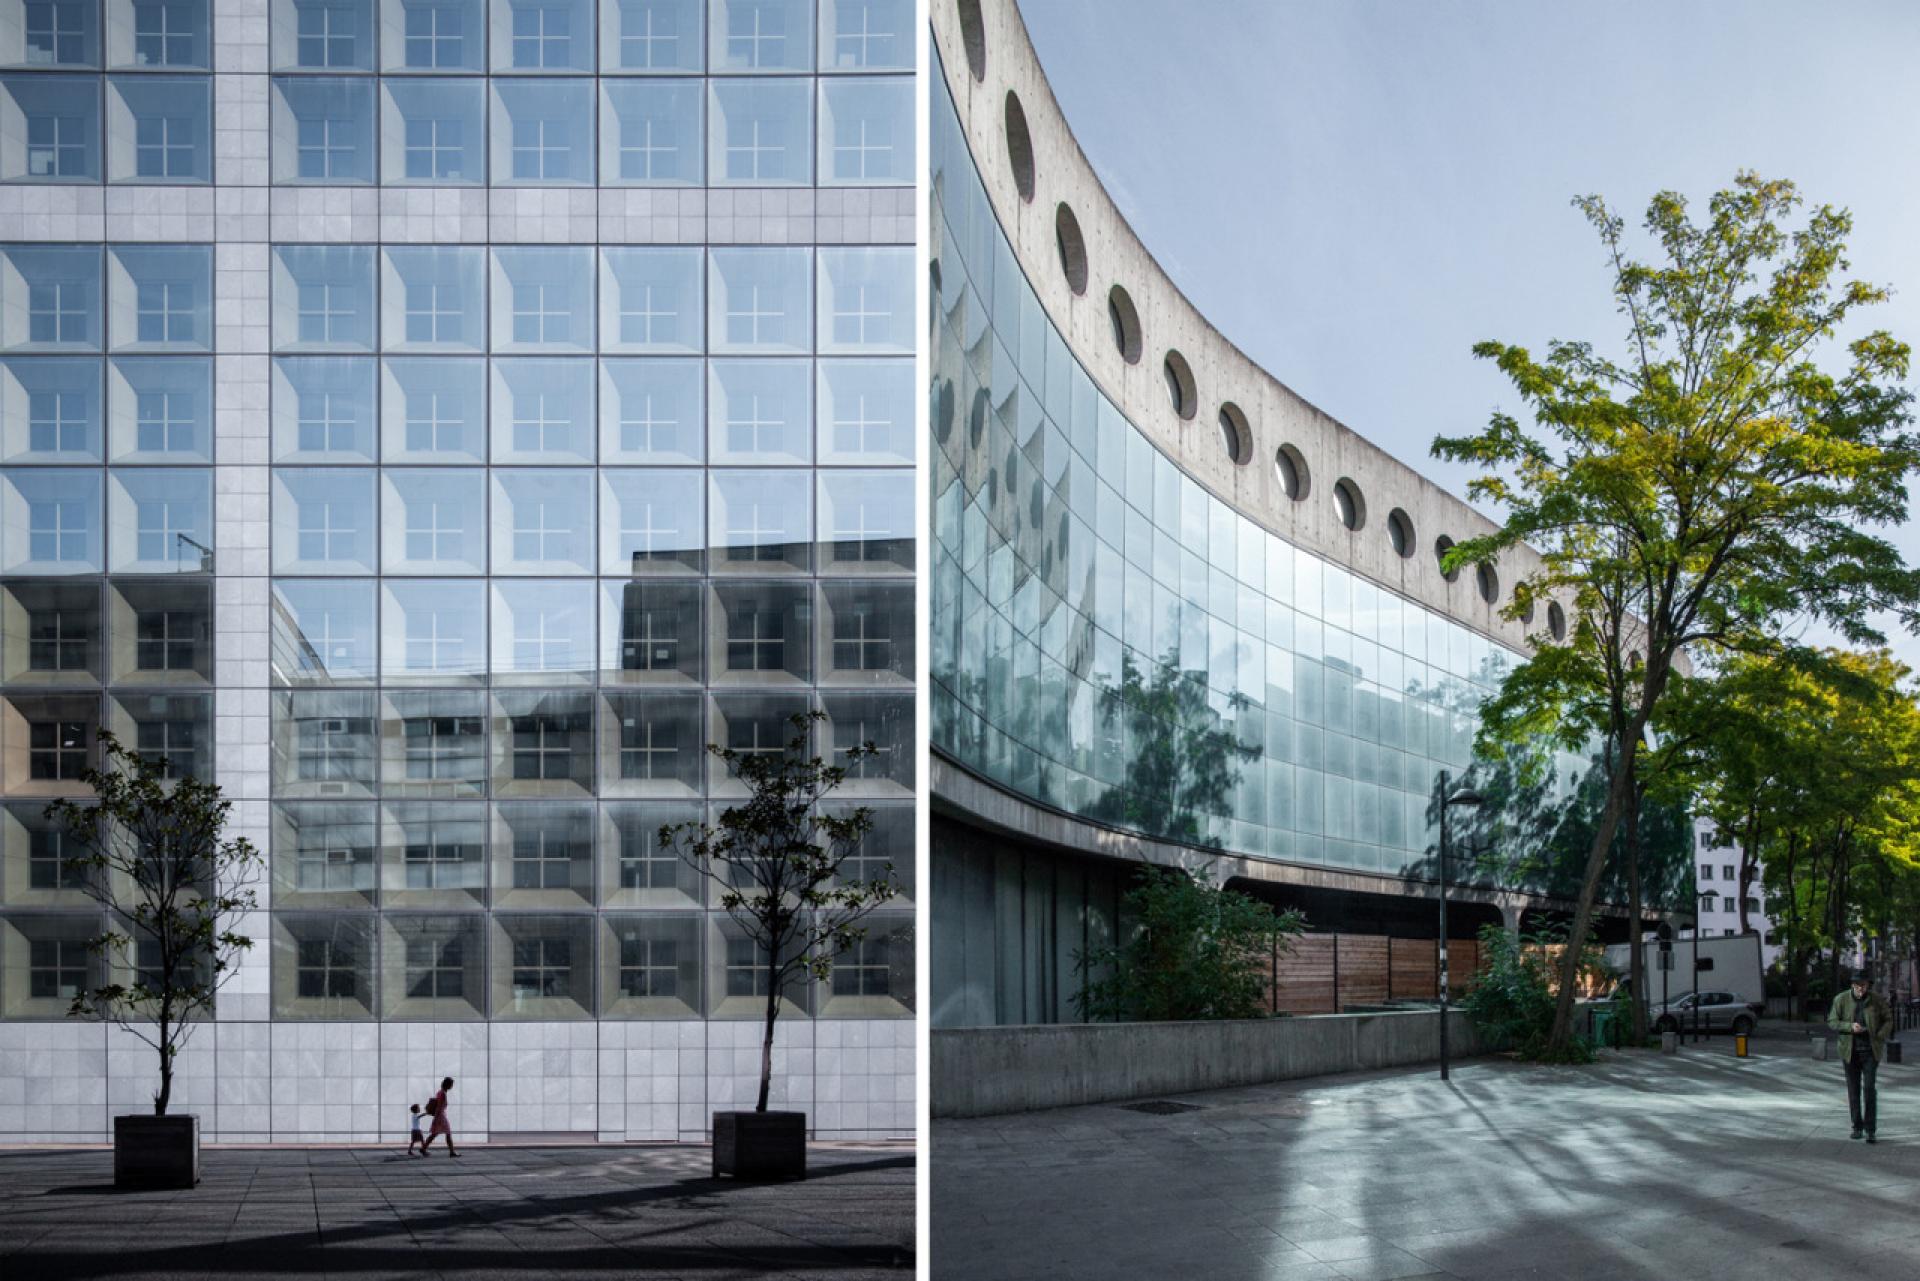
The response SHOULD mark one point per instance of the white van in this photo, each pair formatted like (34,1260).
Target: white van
(1728,967)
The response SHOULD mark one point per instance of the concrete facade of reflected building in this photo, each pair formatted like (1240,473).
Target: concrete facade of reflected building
(436,420)
(1119,493)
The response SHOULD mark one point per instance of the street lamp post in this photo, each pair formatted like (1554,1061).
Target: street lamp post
(1448,800)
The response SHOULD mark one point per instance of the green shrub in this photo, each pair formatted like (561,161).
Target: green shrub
(1198,952)
(1512,997)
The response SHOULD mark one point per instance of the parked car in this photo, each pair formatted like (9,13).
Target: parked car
(1717,1012)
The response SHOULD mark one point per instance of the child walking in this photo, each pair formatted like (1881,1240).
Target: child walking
(418,1140)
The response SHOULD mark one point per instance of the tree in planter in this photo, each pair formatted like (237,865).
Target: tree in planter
(777,859)
(1196,953)
(151,854)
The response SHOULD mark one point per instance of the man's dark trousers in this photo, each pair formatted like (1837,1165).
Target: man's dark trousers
(1862,1098)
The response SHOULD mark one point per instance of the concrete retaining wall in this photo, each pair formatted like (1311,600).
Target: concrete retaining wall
(990,1070)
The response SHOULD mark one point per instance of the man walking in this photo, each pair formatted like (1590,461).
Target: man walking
(437,1107)
(1863,1019)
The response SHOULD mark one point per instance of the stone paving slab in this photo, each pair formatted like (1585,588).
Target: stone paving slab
(1639,1166)
(496,1212)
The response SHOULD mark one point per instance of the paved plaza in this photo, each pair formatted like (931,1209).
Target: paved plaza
(1642,1165)
(497,1212)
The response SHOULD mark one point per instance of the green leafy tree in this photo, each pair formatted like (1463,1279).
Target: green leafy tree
(150,852)
(778,859)
(1197,951)
(1815,768)
(1710,481)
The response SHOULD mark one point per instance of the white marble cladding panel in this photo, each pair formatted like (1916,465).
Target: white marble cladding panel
(53,1082)
(240,403)
(414,1057)
(243,1082)
(242,276)
(334,215)
(240,215)
(255,1081)
(433,215)
(241,134)
(543,215)
(240,35)
(864,1077)
(865,215)
(141,214)
(53,213)
(652,216)
(760,217)
(326,1082)
(543,1077)
(647,1072)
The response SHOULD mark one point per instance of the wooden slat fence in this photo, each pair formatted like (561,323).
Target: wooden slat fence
(1326,973)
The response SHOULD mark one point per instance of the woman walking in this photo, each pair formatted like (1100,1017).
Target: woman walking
(437,1108)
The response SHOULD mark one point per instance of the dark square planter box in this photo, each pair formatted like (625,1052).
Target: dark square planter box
(760,1145)
(156,1151)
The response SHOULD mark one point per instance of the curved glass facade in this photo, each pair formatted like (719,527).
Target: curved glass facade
(1112,641)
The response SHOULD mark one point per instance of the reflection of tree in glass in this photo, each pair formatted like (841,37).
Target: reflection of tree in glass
(1182,757)
(1533,833)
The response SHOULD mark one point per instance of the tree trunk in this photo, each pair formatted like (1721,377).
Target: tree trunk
(1637,964)
(1617,793)
(1797,989)
(766,1043)
(1747,848)
(1839,895)
(166,1073)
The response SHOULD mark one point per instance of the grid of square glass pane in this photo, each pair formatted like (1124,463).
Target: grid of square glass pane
(1068,551)
(106,90)
(677,93)
(545,521)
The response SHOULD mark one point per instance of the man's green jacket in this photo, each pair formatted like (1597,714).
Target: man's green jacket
(1870,1011)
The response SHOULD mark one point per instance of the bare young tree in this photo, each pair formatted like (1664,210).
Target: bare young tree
(150,852)
(777,860)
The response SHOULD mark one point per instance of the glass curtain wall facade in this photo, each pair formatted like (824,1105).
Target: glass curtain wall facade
(541,412)
(1094,610)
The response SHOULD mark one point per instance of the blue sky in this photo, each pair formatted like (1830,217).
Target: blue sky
(1355,191)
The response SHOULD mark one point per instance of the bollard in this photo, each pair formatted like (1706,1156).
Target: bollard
(1893,1051)
(1669,1041)
(1739,1045)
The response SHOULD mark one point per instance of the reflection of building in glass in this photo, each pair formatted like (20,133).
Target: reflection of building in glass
(1178,615)
(518,399)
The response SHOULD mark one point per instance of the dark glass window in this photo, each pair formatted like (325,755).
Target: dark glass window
(649,967)
(543,858)
(47,869)
(542,967)
(438,859)
(57,640)
(862,969)
(436,968)
(326,968)
(56,969)
(168,640)
(171,744)
(56,749)
(543,746)
(441,747)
